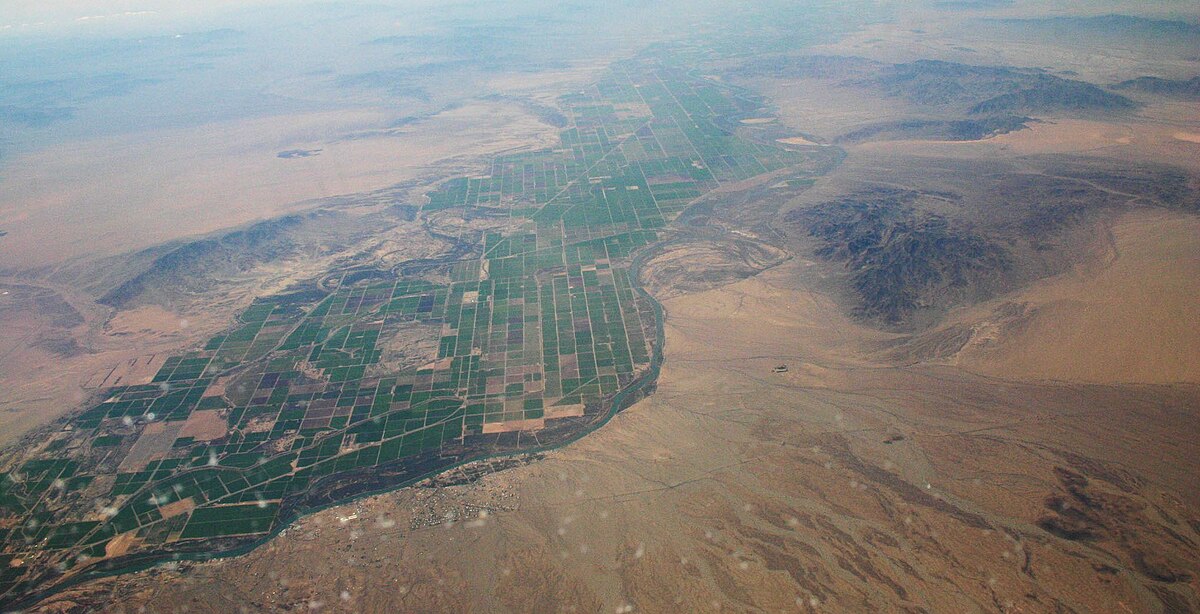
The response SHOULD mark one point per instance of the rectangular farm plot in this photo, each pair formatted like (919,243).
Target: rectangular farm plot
(204,425)
(247,519)
(154,443)
(520,338)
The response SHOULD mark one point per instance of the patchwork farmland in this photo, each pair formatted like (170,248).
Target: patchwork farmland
(536,334)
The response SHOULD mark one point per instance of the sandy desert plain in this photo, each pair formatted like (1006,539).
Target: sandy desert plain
(991,393)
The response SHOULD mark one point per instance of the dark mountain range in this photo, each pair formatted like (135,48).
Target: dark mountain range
(1124,26)
(950,100)
(1188,89)
(900,258)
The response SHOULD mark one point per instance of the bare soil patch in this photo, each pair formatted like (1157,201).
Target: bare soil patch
(205,425)
(1133,320)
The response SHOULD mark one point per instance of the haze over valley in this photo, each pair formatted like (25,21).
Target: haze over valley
(668,307)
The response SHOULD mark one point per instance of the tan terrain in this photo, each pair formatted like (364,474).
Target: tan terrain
(1131,319)
(1044,462)
(59,203)
(178,185)
(844,484)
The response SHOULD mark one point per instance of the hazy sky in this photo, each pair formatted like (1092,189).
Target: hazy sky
(117,17)
(61,14)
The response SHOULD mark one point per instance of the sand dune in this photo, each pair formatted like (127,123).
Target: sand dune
(1131,320)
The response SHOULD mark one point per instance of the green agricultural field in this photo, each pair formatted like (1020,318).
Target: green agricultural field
(540,331)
